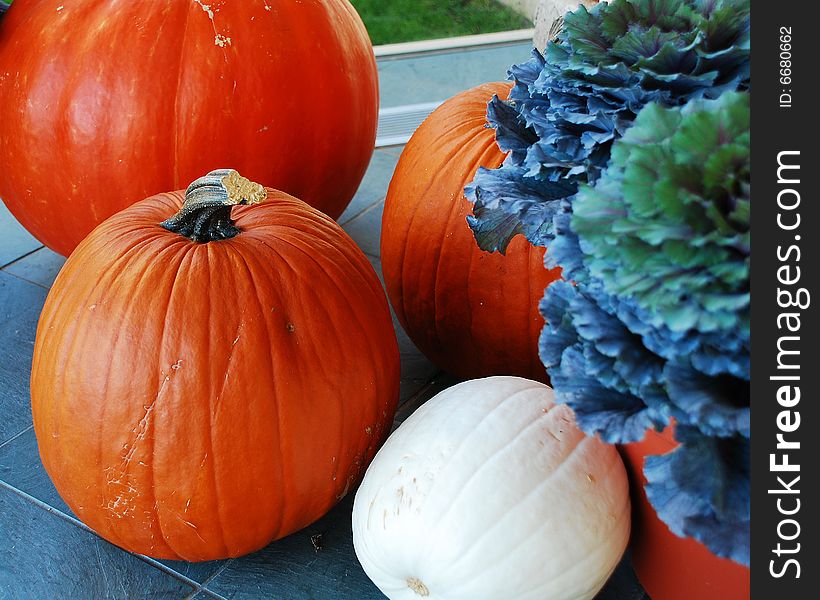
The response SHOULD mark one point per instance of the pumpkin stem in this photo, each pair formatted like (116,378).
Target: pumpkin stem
(206,214)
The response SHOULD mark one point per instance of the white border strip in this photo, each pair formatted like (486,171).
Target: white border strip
(395,140)
(406,108)
(466,41)
(419,112)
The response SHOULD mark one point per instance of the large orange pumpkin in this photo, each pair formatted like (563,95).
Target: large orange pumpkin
(471,312)
(201,390)
(105,102)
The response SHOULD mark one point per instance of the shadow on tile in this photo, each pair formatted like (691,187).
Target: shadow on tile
(294,567)
(623,584)
(440,382)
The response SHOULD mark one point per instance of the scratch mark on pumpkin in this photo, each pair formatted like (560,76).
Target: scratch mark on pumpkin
(206,8)
(121,506)
(143,426)
(192,526)
(239,329)
(219,39)
(125,492)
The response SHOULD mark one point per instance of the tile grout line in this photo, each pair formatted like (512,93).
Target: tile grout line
(16,276)
(361,212)
(46,507)
(77,523)
(216,574)
(206,591)
(16,435)
(19,258)
(364,211)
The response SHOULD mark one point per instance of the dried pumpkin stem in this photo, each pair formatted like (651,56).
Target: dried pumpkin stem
(206,214)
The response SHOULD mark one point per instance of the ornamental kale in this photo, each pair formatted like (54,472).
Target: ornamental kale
(566,110)
(656,323)
(668,225)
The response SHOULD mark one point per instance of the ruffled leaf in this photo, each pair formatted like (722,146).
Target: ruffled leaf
(599,368)
(608,63)
(718,404)
(507,203)
(701,489)
(668,225)
(512,133)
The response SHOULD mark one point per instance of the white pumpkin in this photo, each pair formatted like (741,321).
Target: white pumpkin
(490,491)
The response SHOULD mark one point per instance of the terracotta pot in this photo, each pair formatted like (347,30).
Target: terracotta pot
(670,567)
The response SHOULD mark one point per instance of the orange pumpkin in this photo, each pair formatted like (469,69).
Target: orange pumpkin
(104,103)
(471,312)
(206,386)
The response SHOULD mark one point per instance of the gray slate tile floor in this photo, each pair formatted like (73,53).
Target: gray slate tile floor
(45,552)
